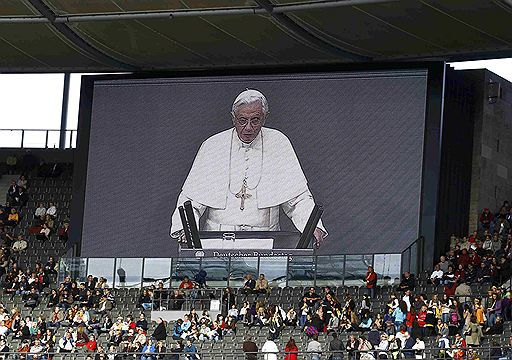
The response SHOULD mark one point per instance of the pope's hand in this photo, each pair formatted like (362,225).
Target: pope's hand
(179,236)
(319,235)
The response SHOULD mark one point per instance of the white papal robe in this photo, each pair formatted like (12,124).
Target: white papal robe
(273,175)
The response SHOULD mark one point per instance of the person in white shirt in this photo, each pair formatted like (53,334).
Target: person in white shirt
(36,347)
(437,275)
(419,348)
(66,343)
(52,210)
(20,244)
(40,211)
(407,299)
(270,349)
(314,348)
(3,329)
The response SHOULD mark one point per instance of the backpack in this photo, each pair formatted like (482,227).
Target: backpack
(454,318)
(311,330)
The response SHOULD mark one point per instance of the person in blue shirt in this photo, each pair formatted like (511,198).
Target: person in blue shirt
(177,331)
(148,351)
(190,351)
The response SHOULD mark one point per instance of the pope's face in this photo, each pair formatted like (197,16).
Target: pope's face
(248,120)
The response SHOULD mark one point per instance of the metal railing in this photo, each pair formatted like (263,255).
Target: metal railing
(37,138)
(280,271)
(482,353)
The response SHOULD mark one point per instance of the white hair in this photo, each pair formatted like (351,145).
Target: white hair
(250,96)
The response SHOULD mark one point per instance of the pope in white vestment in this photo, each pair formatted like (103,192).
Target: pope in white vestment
(242,176)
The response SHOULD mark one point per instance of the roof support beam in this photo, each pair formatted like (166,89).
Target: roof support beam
(305,36)
(147,15)
(71,36)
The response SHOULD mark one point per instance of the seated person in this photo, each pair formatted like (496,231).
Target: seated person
(13,218)
(40,211)
(310,297)
(52,210)
(32,298)
(20,244)
(436,276)
(64,233)
(249,285)
(186,284)
(20,197)
(44,233)
(407,283)
(262,286)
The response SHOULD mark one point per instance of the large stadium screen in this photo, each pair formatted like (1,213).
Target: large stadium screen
(255,152)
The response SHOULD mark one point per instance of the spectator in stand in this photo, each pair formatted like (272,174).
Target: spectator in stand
(250,349)
(443,264)
(186,284)
(44,233)
(52,210)
(262,286)
(49,222)
(249,284)
(371,281)
(11,161)
(67,343)
(22,182)
(485,219)
(291,350)
(40,211)
(64,233)
(200,278)
(160,332)
(407,283)
(437,275)
(269,349)
(149,350)
(13,218)
(190,351)
(20,198)
(336,347)
(11,191)
(20,244)
(311,298)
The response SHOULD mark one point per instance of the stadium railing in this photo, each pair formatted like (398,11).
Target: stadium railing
(36,138)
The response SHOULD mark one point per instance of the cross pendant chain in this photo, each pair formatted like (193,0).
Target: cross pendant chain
(243,194)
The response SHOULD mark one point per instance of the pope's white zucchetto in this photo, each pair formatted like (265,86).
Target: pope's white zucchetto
(250,96)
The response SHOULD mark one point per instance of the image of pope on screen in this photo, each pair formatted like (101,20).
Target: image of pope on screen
(242,176)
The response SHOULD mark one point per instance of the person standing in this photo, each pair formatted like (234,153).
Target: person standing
(371,281)
(314,348)
(250,349)
(291,350)
(270,349)
(336,347)
(253,172)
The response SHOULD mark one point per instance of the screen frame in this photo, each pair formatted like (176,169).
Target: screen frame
(431,166)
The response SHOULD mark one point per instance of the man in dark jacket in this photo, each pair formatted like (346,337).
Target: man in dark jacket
(250,349)
(160,332)
(336,347)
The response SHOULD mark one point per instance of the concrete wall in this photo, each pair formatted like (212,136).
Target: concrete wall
(491,180)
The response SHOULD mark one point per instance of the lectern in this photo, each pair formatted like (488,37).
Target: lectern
(246,243)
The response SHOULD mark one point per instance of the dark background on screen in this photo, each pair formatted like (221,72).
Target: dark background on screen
(358,137)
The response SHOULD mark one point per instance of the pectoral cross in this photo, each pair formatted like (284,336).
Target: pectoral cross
(243,194)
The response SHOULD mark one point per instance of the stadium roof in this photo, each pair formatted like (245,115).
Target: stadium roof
(131,35)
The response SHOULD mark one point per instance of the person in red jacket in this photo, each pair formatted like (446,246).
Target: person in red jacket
(486,218)
(371,281)
(410,319)
(291,350)
(91,344)
(422,319)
